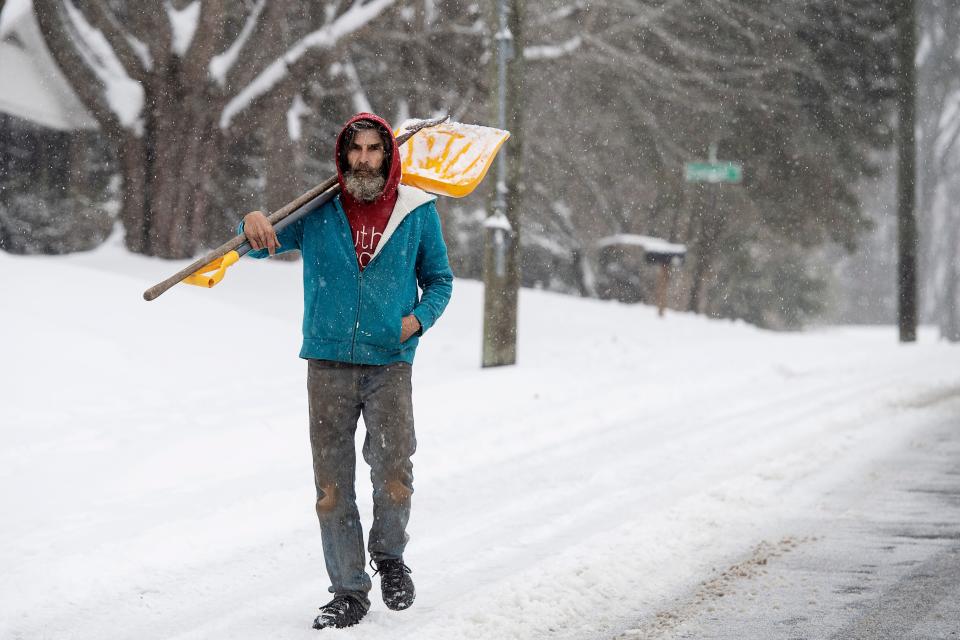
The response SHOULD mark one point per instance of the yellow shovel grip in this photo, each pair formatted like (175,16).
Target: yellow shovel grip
(202,276)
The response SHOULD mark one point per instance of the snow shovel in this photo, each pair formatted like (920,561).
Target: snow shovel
(452,159)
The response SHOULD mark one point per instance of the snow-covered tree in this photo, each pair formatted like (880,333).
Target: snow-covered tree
(175,85)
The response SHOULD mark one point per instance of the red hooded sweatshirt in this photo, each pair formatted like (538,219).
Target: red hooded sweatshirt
(369,219)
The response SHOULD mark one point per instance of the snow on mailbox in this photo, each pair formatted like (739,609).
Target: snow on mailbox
(655,251)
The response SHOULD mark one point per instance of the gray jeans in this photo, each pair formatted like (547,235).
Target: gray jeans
(339,393)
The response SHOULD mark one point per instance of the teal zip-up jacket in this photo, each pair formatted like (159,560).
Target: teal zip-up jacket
(354,316)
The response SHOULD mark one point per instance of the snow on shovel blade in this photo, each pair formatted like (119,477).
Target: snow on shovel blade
(451,158)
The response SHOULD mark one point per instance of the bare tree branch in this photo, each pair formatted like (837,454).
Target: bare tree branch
(207,40)
(552,52)
(359,96)
(60,41)
(223,63)
(103,19)
(359,15)
(569,11)
(151,24)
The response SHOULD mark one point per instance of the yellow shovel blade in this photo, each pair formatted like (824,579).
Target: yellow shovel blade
(449,159)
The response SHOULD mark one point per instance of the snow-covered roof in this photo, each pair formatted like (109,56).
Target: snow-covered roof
(648,243)
(34,87)
(13,10)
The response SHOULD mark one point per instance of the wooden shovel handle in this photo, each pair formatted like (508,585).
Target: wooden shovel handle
(154,292)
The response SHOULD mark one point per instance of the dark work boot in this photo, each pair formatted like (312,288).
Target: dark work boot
(395,583)
(342,611)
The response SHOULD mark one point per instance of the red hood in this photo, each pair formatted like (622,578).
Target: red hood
(389,195)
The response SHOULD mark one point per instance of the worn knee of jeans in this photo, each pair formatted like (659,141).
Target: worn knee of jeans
(327,500)
(397,488)
(396,485)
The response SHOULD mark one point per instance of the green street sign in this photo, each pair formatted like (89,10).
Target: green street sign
(714,172)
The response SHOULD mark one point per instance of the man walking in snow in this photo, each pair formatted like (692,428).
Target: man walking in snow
(364,255)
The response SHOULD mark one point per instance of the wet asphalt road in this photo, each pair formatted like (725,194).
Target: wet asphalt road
(880,560)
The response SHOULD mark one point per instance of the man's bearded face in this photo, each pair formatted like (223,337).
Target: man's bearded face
(364,180)
(364,183)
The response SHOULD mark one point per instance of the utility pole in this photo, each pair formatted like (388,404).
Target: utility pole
(906,172)
(501,263)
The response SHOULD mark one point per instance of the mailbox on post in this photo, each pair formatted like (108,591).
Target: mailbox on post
(655,251)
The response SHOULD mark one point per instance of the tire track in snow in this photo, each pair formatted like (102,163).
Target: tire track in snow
(537,513)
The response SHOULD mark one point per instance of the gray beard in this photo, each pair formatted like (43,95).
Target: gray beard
(362,185)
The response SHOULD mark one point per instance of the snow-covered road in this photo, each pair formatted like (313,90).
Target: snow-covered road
(156,477)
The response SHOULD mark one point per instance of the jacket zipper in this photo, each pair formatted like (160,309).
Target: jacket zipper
(356,322)
(352,252)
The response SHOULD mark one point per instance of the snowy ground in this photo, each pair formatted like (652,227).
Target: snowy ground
(155,475)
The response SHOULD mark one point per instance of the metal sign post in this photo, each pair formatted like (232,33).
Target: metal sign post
(714,173)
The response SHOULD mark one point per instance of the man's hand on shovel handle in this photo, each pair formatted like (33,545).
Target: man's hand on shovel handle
(260,232)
